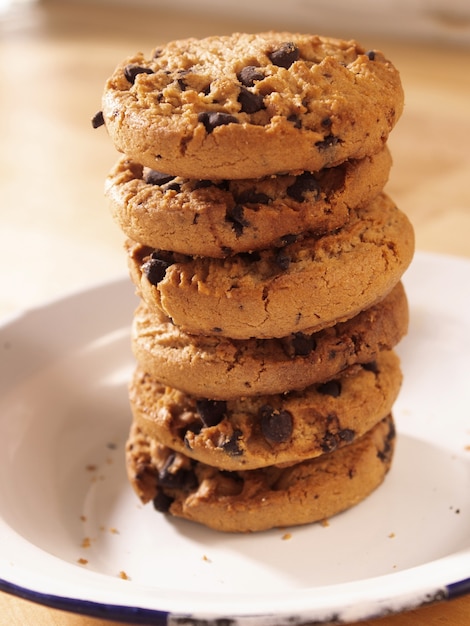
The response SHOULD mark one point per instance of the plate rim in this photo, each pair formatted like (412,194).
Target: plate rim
(140,615)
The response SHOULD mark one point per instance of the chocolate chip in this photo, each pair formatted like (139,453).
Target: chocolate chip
(250,102)
(385,454)
(326,122)
(132,70)
(347,435)
(329,442)
(295,120)
(371,367)
(251,196)
(231,445)
(285,55)
(152,177)
(276,426)
(249,74)
(236,216)
(97,120)
(303,344)
(224,185)
(328,142)
(282,260)
(202,184)
(155,268)
(288,239)
(171,186)
(194,429)
(181,84)
(250,257)
(233,476)
(212,119)
(303,184)
(332,440)
(211,412)
(179,479)
(330,388)
(162,502)
(371,55)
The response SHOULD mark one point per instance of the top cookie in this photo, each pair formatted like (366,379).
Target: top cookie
(252,105)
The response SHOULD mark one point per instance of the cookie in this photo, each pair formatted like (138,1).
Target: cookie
(219,218)
(251,105)
(257,431)
(311,283)
(256,500)
(222,368)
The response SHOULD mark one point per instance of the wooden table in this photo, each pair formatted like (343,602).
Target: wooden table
(55,231)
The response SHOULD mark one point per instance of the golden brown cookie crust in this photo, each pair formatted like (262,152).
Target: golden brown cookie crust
(221,368)
(256,500)
(257,431)
(208,218)
(193,109)
(310,284)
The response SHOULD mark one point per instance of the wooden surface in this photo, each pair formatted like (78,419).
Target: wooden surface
(55,231)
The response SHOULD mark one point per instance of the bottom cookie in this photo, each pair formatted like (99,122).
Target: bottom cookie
(256,500)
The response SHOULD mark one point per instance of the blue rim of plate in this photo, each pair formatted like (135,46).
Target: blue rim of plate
(138,615)
(120,613)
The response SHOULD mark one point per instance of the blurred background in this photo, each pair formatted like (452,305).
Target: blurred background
(56,234)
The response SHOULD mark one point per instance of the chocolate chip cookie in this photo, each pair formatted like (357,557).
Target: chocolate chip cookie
(220,218)
(257,431)
(256,500)
(221,368)
(309,284)
(251,105)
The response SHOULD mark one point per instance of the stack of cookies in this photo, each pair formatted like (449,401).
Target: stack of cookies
(268,261)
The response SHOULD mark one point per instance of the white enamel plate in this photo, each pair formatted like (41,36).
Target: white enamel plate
(74,536)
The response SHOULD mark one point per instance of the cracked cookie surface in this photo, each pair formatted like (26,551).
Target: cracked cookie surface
(203,108)
(256,500)
(219,218)
(309,284)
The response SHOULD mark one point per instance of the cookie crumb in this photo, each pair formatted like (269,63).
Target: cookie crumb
(391,536)
(86,543)
(286,536)
(325,523)
(83,518)
(123,575)
(82,561)
(206,558)
(114,531)
(91,468)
